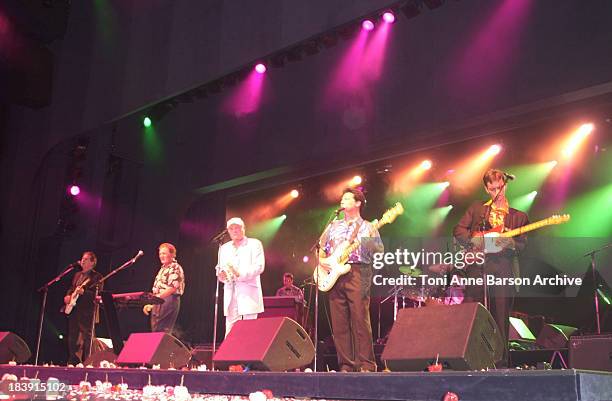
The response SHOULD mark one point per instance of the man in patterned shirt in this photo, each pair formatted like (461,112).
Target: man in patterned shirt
(169,285)
(349,299)
(290,290)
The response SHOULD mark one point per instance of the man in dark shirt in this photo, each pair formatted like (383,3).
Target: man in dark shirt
(483,216)
(82,315)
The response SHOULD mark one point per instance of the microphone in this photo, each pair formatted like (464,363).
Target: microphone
(337,212)
(218,237)
(509,177)
(74,265)
(139,254)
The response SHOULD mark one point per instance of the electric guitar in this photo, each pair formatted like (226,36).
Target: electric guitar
(337,260)
(490,236)
(75,296)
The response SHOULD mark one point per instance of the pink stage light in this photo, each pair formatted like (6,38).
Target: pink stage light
(74,190)
(260,68)
(388,17)
(305,259)
(367,25)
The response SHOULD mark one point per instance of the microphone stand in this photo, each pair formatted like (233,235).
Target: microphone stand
(595,284)
(317,248)
(485,220)
(97,286)
(45,289)
(219,240)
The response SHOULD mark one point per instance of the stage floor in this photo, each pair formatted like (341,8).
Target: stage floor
(499,385)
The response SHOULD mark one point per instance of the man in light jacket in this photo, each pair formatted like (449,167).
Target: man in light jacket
(241,262)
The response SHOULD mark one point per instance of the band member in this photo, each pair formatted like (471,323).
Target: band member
(80,319)
(169,285)
(241,262)
(482,216)
(350,297)
(290,290)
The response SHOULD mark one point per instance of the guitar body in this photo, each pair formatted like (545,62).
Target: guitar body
(490,237)
(338,266)
(73,300)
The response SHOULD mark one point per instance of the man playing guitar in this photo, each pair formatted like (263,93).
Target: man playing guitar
(484,216)
(349,298)
(80,306)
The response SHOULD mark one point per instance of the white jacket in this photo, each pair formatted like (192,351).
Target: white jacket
(249,261)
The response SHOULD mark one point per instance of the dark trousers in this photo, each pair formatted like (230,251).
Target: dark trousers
(500,297)
(349,302)
(79,335)
(163,317)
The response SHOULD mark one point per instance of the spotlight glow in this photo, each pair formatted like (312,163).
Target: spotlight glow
(146,122)
(74,190)
(426,164)
(494,150)
(284,217)
(576,139)
(260,68)
(553,163)
(356,180)
(294,193)
(533,194)
(367,25)
(305,259)
(388,17)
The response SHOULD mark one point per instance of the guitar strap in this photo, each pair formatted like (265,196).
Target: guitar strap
(355,232)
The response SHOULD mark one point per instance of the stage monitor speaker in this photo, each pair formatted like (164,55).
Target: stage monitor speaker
(154,349)
(554,336)
(275,343)
(464,336)
(13,348)
(100,352)
(592,352)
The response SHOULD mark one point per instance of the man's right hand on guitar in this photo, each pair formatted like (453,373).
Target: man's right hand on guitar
(477,243)
(147,309)
(67,299)
(325,266)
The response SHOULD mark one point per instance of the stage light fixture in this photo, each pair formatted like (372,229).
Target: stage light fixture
(367,25)
(147,122)
(260,68)
(74,190)
(388,17)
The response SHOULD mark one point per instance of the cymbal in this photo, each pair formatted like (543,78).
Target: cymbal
(410,271)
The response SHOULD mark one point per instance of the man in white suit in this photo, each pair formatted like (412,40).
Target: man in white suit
(241,262)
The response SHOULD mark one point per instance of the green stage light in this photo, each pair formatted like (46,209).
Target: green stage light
(146,122)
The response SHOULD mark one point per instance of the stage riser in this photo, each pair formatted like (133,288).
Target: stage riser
(554,385)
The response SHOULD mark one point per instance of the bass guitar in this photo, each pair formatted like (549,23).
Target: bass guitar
(324,279)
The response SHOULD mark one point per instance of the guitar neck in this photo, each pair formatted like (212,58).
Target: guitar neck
(526,228)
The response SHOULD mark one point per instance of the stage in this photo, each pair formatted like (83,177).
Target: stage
(499,385)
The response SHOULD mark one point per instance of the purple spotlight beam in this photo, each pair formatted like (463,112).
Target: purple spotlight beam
(260,68)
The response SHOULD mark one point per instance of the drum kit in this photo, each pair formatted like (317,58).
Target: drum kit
(436,290)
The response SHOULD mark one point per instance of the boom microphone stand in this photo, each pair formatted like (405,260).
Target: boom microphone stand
(45,289)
